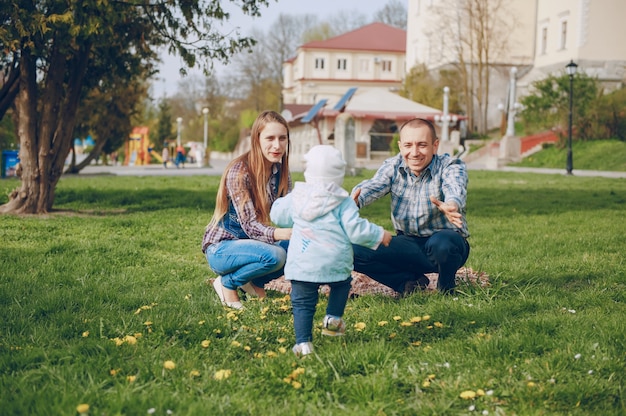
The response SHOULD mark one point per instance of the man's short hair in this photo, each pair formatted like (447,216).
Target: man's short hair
(420,122)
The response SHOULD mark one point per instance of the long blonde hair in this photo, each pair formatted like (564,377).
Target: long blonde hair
(259,172)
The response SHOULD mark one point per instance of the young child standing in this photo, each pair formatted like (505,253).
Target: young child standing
(325,223)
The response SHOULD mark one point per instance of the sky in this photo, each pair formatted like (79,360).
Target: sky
(169,75)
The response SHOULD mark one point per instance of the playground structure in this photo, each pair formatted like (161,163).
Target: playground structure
(138,149)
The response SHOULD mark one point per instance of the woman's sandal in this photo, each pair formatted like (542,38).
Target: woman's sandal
(219,289)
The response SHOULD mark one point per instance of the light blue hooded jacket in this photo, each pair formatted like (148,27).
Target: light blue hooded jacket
(325,222)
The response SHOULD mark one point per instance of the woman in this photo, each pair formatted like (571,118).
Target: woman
(241,246)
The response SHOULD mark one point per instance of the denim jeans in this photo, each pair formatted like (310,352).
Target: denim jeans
(407,258)
(246,260)
(304,297)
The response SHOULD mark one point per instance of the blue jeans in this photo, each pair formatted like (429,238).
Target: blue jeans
(304,297)
(407,258)
(245,260)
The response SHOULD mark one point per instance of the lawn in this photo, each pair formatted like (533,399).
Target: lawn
(609,155)
(105,304)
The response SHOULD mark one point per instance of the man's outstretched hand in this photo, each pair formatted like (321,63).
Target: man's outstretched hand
(450,210)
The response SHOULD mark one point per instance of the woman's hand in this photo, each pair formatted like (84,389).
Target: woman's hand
(282,234)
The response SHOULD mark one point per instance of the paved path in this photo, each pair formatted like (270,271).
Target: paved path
(217,167)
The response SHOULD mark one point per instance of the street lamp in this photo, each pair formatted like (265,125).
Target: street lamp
(179,121)
(571,71)
(205,111)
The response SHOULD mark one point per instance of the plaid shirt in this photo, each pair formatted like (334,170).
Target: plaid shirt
(237,190)
(412,212)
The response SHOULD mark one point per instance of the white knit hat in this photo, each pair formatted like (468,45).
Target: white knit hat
(324,164)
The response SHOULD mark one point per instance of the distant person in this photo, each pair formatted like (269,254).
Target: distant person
(180,156)
(428,194)
(240,244)
(165,155)
(325,224)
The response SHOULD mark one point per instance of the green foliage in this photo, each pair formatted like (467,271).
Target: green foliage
(424,87)
(548,107)
(165,123)
(610,115)
(96,296)
(8,138)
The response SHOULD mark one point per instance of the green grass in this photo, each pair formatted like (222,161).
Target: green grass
(607,155)
(122,258)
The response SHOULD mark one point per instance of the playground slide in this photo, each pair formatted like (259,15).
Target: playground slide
(156,156)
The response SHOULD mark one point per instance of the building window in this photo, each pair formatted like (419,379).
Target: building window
(342,64)
(364,65)
(544,40)
(386,66)
(563,34)
(319,63)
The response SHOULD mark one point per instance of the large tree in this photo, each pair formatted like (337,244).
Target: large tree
(59,47)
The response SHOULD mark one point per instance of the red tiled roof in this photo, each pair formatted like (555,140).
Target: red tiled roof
(373,37)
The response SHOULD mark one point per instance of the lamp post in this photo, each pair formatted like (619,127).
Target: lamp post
(205,111)
(179,121)
(571,71)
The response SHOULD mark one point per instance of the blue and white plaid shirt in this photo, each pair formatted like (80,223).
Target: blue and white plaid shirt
(412,212)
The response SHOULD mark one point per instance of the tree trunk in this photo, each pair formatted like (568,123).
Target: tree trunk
(45,125)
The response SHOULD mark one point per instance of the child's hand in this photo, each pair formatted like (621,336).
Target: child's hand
(386,238)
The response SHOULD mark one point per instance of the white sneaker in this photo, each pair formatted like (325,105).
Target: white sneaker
(333,327)
(302,349)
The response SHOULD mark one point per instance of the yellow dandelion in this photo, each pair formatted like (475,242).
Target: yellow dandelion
(531,384)
(222,374)
(480,392)
(118,341)
(427,348)
(282,350)
(397,318)
(438,324)
(265,309)
(392,335)
(425,317)
(295,373)
(416,343)
(187,296)
(201,322)
(284,308)
(138,335)
(235,344)
(194,373)
(258,339)
(426,383)
(247,348)
(113,372)
(258,355)
(129,339)
(429,327)
(296,384)
(131,379)
(359,326)
(169,365)
(416,319)
(432,377)
(271,354)
(85,334)
(82,408)
(405,323)
(281,340)
(217,331)
(382,323)
(468,394)
(205,343)
(287,380)
(147,323)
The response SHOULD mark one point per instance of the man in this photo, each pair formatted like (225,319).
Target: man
(428,194)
